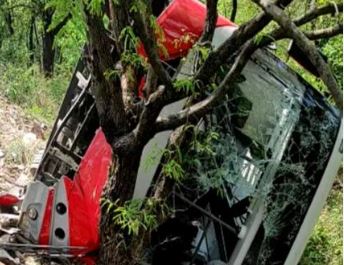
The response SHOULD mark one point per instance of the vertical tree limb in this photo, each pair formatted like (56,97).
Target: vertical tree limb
(148,38)
(234,10)
(108,93)
(210,22)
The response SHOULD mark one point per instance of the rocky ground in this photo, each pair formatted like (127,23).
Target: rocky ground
(21,142)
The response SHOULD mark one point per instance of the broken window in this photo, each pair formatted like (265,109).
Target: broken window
(272,140)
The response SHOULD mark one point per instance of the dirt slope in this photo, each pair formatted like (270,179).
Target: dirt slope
(21,138)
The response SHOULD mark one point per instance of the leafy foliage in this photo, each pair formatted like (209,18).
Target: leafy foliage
(135,215)
(178,160)
(21,78)
(173,167)
(185,85)
(40,97)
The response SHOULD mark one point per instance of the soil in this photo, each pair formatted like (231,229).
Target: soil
(22,139)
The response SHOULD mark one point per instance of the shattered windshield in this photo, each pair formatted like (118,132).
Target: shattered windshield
(260,144)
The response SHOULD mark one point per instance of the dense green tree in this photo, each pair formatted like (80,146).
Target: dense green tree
(34,19)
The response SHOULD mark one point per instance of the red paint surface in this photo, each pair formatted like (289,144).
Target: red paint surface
(8,200)
(44,235)
(88,260)
(84,193)
(83,198)
(182,23)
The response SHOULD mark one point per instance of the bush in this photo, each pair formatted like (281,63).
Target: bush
(28,88)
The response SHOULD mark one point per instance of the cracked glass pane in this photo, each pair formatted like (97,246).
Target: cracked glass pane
(274,136)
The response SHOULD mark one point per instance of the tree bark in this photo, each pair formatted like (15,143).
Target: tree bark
(31,43)
(48,55)
(48,52)
(120,187)
(48,38)
(112,102)
(9,23)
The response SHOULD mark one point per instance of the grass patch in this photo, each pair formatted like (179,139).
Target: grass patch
(325,245)
(38,96)
(18,152)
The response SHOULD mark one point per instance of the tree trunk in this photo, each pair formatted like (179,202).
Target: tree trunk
(31,43)
(9,23)
(120,188)
(48,55)
(48,43)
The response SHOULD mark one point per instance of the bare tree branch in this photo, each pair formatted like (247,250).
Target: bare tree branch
(307,46)
(198,110)
(119,19)
(229,47)
(325,33)
(211,65)
(147,36)
(144,129)
(210,22)
(215,59)
(151,83)
(60,25)
(280,34)
(317,12)
(311,15)
(159,98)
